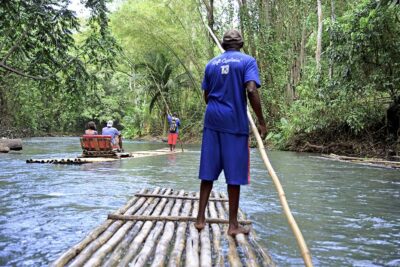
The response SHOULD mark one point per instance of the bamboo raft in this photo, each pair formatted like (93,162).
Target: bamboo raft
(364,161)
(156,228)
(83,160)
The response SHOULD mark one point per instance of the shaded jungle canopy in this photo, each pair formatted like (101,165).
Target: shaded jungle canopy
(329,68)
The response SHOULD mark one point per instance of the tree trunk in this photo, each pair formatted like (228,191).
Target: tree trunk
(319,37)
(246,29)
(333,18)
(209,4)
(12,144)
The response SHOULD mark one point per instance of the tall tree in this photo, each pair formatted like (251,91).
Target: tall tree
(318,50)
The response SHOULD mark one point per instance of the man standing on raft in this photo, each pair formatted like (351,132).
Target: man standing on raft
(174,124)
(227,79)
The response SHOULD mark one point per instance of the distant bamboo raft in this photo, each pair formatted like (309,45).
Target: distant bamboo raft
(83,160)
(156,228)
(364,161)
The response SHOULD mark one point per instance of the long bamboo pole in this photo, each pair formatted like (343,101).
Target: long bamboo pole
(170,219)
(166,104)
(180,197)
(305,253)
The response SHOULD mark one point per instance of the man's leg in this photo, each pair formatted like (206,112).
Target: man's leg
(234,227)
(120,143)
(205,190)
(170,141)
(174,141)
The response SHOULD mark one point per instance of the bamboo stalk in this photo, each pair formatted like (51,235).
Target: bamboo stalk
(205,248)
(292,222)
(116,255)
(181,197)
(216,233)
(233,256)
(250,257)
(170,218)
(76,249)
(163,245)
(148,248)
(264,258)
(102,239)
(192,241)
(137,242)
(179,245)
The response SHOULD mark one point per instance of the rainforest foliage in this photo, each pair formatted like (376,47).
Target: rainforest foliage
(328,67)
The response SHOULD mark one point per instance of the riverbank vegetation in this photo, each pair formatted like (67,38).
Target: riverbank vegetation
(330,69)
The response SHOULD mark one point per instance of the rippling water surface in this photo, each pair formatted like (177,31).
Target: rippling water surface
(349,214)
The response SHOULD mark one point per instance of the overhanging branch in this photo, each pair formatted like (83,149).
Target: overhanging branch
(20,73)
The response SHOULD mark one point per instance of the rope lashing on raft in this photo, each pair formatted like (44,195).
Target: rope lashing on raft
(305,253)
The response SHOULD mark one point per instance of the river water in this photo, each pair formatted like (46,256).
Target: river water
(349,214)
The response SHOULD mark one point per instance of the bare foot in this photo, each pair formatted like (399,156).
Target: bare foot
(200,224)
(233,231)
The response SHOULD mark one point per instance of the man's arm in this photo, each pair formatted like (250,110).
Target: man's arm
(206,96)
(255,102)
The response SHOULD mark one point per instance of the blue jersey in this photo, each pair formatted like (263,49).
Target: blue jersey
(224,79)
(110,131)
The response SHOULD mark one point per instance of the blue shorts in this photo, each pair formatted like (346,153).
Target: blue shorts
(228,152)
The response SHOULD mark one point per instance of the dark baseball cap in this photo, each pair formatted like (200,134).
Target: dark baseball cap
(232,38)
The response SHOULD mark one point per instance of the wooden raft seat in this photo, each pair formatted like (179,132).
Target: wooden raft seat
(97,146)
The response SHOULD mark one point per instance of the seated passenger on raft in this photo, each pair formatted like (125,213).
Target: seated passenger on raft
(116,137)
(91,128)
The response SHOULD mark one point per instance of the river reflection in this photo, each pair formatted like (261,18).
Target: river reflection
(349,214)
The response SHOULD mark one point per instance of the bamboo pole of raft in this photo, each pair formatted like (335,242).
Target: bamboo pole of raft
(150,244)
(192,241)
(89,250)
(233,256)
(162,247)
(76,249)
(205,248)
(100,254)
(169,218)
(179,245)
(141,236)
(266,258)
(116,255)
(251,258)
(305,253)
(182,197)
(216,234)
